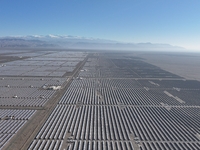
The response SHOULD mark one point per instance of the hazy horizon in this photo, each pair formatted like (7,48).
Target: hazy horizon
(130,21)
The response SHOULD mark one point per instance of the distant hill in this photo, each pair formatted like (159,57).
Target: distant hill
(74,42)
(23,43)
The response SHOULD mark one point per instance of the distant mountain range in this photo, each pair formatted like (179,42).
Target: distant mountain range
(75,42)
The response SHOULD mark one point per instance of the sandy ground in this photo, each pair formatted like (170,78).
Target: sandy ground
(186,65)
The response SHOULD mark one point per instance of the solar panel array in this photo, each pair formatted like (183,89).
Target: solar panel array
(15,91)
(11,121)
(124,104)
(23,79)
(50,65)
(99,67)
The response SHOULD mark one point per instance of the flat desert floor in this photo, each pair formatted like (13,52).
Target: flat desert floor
(186,65)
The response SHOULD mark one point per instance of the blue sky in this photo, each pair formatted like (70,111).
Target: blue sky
(175,22)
